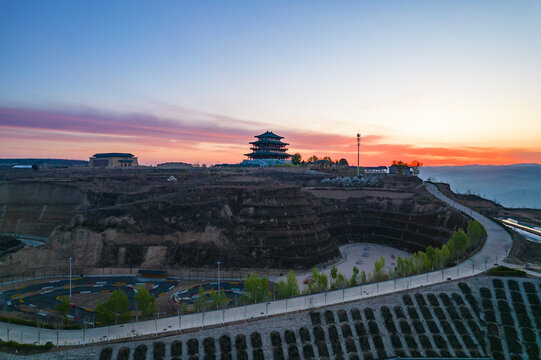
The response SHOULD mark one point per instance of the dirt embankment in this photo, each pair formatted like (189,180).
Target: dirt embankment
(525,251)
(253,220)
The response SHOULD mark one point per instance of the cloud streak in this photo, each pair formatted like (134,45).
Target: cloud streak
(198,136)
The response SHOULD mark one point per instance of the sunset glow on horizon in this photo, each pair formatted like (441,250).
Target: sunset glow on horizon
(447,83)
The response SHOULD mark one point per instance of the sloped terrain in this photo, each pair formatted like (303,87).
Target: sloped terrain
(253,219)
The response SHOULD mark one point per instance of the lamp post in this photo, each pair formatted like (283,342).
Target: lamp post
(219,290)
(358,147)
(70,258)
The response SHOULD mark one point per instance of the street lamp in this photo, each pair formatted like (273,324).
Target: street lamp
(219,291)
(358,147)
(70,258)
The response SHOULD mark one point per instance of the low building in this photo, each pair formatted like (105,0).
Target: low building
(400,170)
(174,166)
(113,160)
(375,169)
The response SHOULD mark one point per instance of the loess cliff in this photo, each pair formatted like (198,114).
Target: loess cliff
(253,219)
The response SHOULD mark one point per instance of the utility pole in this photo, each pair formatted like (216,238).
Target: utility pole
(219,291)
(358,148)
(70,258)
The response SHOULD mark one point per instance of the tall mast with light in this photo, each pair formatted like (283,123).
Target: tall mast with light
(358,147)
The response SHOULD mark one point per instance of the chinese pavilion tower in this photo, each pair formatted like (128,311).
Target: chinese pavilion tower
(268,146)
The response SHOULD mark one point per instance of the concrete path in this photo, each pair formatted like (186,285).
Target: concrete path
(494,251)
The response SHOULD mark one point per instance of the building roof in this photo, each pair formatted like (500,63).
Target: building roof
(268,141)
(374,167)
(106,155)
(269,134)
(268,153)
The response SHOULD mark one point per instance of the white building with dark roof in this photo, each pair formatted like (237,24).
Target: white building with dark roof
(113,160)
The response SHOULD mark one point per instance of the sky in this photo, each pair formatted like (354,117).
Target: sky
(444,82)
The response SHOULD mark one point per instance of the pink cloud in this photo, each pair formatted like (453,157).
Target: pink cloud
(197,136)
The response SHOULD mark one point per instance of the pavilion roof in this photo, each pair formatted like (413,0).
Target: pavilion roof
(267,153)
(268,141)
(269,134)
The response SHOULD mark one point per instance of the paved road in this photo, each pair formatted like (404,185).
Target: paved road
(40,299)
(233,290)
(495,249)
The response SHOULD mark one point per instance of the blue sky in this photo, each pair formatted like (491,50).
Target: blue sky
(432,74)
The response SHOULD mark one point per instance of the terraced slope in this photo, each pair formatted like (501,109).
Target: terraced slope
(249,221)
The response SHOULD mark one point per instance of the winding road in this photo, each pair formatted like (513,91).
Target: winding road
(495,250)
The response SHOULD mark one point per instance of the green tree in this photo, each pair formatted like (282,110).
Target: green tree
(476,232)
(296,159)
(318,282)
(401,268)
(119,304)
(146,303)
(313,158)
(218,299)
(283,289)
(63,307)
(337,279)
(363,277)
(183,308)
(458,243)
(289,288)
(200,302)
(423,260)
(340,281)
(379,269)
(292,283)
(256,287)
(104,314)
(322,283)
(354,277)
(431,254)
(334,274)
(443,256)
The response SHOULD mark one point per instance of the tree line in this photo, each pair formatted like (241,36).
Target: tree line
(296,159)
(460,243)
(117,307)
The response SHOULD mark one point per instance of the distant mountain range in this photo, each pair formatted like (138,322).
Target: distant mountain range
(516,185)
(42,162)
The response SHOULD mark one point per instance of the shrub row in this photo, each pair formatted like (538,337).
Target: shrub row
(34,324)
(13,346)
